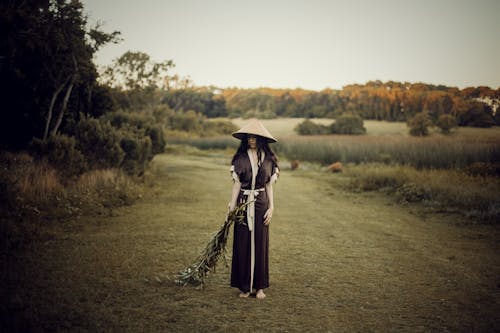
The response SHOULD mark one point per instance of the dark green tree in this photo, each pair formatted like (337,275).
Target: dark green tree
(46,69)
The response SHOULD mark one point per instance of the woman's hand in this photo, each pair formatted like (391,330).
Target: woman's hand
(268,215)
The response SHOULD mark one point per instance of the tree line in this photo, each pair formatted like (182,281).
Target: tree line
(389,101)
(50,84)
(59,107)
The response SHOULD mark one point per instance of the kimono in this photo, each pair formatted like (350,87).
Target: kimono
(250,261)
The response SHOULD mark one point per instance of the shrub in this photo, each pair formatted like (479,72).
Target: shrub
(141,121)
(348,124)
(419,124)
(157,137)
(446,122)
(99,141)
(307,127)
(189,121)
(62,153)
(218,127)
(138,151)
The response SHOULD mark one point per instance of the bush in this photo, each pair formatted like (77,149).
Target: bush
(140,121)
(189,121)
(446,122)
(219,127)
(62,153)
(307,127)
(138,151)
(99,141)
(348,124)
(419,124)
(157,137)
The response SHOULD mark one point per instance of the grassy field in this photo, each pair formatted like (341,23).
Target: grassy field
(283,128)
(340,262)
(458,172)
(385,142)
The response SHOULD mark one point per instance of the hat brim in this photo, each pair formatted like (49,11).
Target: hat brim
(242,136)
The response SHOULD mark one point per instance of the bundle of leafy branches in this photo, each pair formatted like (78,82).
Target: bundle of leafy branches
(197,272)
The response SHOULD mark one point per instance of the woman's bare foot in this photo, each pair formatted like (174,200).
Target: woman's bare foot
(244,295)
(260,294)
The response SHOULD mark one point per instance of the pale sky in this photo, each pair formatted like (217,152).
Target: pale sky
(311,44)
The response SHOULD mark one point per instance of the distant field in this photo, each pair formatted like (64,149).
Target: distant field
(284,127)
(385,142)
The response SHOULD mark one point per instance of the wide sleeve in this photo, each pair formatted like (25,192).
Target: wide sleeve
(275,173)
(234,174)
(237,170)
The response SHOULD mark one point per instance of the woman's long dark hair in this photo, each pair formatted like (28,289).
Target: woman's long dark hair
(262,146)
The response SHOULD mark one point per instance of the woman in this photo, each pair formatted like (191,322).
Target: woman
(254,170)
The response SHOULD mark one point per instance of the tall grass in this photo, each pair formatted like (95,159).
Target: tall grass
(444,190)
(432,153)
(32,191)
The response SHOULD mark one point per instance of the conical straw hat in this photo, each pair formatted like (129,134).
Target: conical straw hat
(254,127)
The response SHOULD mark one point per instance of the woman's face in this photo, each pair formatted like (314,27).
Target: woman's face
(252,141)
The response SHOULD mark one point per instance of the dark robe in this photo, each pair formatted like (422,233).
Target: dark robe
(241,261)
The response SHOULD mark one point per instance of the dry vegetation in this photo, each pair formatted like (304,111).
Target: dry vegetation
(34,195)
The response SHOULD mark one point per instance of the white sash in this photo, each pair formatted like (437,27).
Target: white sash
(251,213)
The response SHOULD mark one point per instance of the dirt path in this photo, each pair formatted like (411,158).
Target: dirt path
(340,262)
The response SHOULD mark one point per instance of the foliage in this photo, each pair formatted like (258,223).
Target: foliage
(348,124)
(138,151)
(135,71)
(143,123)
(446,122)
(344,124)
(196,123)
(118,140)
(219,127)
(46,70)
(419,124)
(188,121)
(62,153)
(99,141)
(307,127)
(390,101)
(199,100)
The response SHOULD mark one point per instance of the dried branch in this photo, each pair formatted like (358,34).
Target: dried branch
(196,273)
